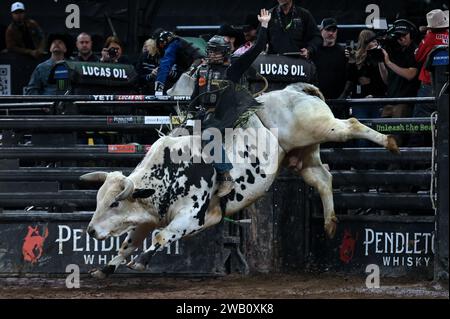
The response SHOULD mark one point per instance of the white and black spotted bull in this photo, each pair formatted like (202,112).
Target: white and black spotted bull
(179,198)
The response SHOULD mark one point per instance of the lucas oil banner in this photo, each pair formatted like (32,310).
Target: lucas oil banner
(47,248)
(90,73)
(279,68)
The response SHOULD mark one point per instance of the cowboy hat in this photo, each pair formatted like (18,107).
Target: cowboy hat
(67,39)
(437,19)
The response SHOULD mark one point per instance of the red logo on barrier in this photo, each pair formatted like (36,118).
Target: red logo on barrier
(33,245)
(347,247)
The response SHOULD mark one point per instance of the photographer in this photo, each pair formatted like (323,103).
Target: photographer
(400,69)
(365,73)
(113,51)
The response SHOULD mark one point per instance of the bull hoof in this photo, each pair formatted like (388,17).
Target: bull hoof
(392,145)
(330,227)
(98,274)
(136,266)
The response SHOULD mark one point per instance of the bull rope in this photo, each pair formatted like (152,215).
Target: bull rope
(266,85)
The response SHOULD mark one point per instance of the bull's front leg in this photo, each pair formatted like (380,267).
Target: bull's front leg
(133,241)
(180,227)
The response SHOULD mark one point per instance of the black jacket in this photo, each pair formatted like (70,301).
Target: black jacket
(293,32)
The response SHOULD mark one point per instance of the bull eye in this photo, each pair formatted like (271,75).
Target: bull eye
(115,204)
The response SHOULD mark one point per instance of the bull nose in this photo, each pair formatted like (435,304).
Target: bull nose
(91,231)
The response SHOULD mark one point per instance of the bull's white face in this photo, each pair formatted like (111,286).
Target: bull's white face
(114,217)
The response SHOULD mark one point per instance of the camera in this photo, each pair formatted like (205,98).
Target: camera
(113,52)
(375,55)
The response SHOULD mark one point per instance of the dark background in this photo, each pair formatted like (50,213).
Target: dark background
(135,20)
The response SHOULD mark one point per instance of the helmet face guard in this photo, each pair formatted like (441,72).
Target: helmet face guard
(164,38)
(218,50)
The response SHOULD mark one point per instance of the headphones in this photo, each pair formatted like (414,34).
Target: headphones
(413,29)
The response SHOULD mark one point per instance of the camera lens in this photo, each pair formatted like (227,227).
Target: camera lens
(112,52)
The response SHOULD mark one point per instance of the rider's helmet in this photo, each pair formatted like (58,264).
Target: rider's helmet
(218,50)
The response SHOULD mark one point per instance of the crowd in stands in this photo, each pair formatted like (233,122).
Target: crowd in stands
(389,65)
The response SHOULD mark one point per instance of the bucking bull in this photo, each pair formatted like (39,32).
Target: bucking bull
(179,199)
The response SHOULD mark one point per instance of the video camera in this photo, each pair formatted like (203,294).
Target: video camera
(387,38)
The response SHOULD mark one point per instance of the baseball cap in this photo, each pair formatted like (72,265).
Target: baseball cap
(16,6)
(328,23)
(403,27)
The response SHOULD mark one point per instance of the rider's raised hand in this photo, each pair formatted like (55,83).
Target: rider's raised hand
(264,18)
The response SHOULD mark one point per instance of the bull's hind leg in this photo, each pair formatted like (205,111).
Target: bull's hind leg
(344,130)
(133,241)
(316,175)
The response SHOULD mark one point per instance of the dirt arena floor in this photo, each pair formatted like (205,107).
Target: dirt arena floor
(279,286)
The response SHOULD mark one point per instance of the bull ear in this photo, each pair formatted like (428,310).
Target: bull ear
(143,193)
(94,177)
(128,189)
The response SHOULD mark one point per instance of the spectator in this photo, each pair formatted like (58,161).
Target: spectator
(250,31)
(365,77)
(365,74)
(24,35)
(84,46)
(331,62)
(60,48)
(147,66)
(113,51)
(177,51)
(400,69)
(437,34)
(232,36)
(293,29)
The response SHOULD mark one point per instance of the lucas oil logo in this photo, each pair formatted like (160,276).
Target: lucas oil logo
(33,245)
(282,69)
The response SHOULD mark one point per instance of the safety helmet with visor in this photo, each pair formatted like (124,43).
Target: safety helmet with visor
(218,50)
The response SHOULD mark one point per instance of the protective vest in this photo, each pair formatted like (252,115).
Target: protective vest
(211,84)
(228,99)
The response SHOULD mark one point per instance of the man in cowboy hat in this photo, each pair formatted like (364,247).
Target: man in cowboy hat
(234,36)
(24,35)
(60,47)
(437,34)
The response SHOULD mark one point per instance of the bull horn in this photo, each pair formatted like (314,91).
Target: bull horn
(127,190)
(94,177)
